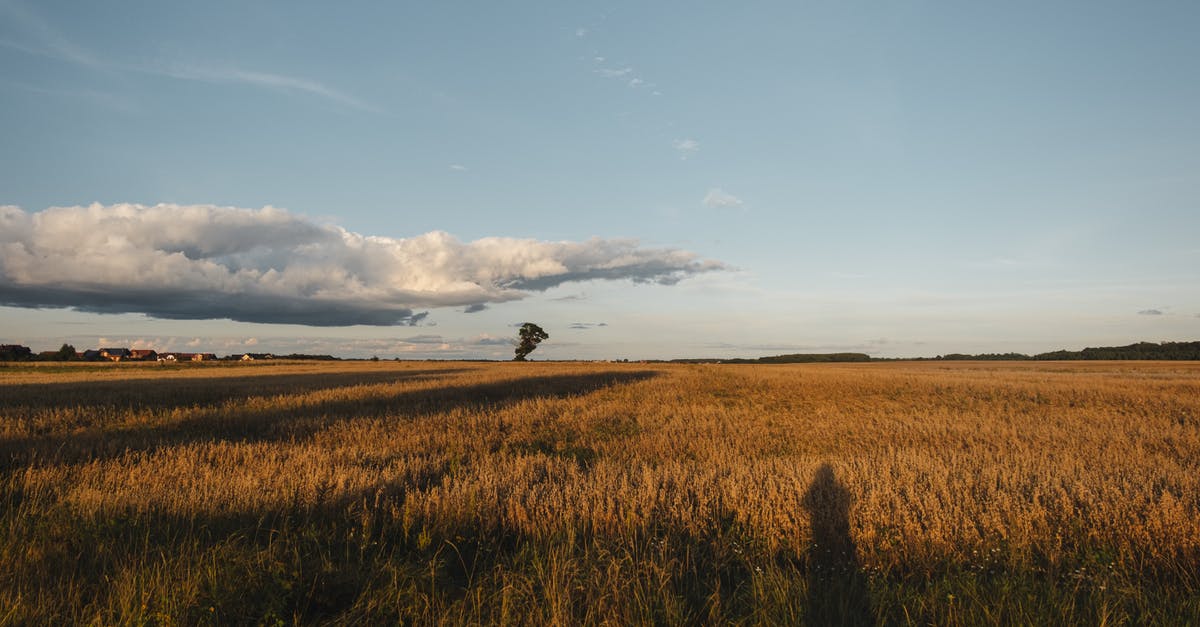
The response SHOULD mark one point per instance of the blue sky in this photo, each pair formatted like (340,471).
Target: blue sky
(908,179)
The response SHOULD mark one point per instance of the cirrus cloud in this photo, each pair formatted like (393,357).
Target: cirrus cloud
(270,266)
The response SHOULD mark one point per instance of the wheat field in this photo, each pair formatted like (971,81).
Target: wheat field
(562,493)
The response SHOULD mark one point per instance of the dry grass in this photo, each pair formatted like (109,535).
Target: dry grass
(601,493)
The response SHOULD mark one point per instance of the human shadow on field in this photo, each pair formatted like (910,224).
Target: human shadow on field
(837,588)
(253,422)
(171,392)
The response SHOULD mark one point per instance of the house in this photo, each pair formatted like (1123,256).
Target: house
(139,354)
(114,354)
(91,354)
(186,356)
(257,356)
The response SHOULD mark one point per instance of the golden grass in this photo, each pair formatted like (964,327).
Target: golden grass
(566,493)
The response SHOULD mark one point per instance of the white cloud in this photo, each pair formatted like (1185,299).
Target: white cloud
(267,265)
(581,32)
(718,199)
(458,167)
(614,72)
(634,82)
(686,147)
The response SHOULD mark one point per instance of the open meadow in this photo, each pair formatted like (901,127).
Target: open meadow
(562,493)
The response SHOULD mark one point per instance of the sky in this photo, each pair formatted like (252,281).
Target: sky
(642,180)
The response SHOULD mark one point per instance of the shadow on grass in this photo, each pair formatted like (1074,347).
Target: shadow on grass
(313,561)
(172,392)
(266,422)
(837,588)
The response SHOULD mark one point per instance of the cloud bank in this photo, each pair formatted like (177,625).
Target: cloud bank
(266,265)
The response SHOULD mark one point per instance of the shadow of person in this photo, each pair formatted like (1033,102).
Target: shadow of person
(837,588)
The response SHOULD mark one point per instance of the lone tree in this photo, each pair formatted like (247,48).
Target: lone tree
(530,335)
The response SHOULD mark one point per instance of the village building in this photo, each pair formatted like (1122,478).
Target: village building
(186,356)
(114,354)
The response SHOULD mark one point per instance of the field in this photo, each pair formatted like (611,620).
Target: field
(899,493)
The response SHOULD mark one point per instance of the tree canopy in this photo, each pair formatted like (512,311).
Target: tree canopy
(528,338)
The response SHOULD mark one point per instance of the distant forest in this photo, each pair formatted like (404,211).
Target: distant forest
(1141,350)
(798,358)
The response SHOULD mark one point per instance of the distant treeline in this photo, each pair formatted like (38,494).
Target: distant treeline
(1141,350)
(797,358)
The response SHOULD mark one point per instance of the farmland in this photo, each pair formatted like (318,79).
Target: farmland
(1025,492)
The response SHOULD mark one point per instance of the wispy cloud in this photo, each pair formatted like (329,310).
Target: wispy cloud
(868,346)
(194,262)
(264,80)
(585,326)
(111,101)
(581,32)
(50,43)
(716,198)
(686,147)
(491,340)
(458,167)
(615,72)
(422,339)
(1150,312)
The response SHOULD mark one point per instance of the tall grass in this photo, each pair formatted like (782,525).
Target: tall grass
(601,493)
